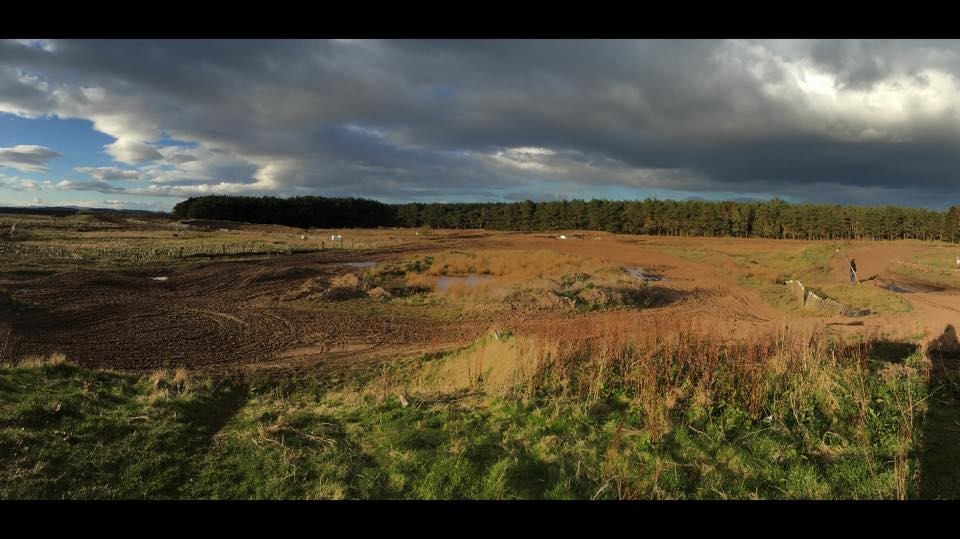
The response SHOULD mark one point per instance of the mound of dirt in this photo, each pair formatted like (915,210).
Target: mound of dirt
(337,293)
(379,293)
(347,280)
(551,299)
(309,287)
(597,296)
(340,287)
(540,300)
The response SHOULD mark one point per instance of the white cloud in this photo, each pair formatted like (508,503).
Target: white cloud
(95,185)
(132,151)
(525,158)
(109,173)
(43,44)
(27,157)
(17,183)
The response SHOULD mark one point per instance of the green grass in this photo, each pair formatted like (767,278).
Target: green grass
(67,432)
(944,258)
(939,457)
(811,265)
(939,267)
(867,296)
(71,433)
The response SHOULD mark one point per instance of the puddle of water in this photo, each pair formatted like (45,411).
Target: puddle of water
(158,278)
(368,264)
(898,289)
(642,275)
(469,280)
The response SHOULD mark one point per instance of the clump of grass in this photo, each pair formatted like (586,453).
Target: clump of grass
(169,384)
(512,266)
(52,360)
(419,282)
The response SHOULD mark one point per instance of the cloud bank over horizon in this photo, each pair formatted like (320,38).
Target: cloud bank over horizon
(848,121)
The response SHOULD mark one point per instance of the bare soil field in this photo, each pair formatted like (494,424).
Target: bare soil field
(212,315)
(295,312)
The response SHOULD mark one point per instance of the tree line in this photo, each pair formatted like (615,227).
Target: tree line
(758,219)
(302,212)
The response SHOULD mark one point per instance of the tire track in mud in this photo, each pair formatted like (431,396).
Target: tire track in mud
(717,301)
(215,315)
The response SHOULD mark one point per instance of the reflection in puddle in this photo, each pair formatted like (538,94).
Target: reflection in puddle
(368,264)
(158,278)
(467,280)
(898,289)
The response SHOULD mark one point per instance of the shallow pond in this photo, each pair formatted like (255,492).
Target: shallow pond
(899,289)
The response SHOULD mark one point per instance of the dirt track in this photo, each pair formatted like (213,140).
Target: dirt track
(227,315)
(232,315)
(934,307)
(216,315)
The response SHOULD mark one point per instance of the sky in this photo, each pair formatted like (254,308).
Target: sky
(144,124)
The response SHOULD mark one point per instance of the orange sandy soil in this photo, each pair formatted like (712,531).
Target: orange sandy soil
(711,297)
(230,315)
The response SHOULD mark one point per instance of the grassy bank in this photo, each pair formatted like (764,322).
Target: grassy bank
(668,415)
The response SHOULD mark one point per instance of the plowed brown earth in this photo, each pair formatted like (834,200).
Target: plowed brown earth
(212,316)
(234,314)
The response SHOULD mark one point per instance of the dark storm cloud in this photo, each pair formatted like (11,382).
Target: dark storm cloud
(468,119)
(862,63)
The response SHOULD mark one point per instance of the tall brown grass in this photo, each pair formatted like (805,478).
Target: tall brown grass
(662,366)
(167,384)
(511,265)
(507,271)
(40,361)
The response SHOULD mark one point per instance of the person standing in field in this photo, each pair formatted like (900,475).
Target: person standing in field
(853,270)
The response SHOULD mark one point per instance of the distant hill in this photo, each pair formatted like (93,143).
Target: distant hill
(63,211)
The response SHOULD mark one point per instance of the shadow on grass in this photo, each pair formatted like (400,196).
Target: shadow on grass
(226,399)
(201,418)
(892,351)
(940,456)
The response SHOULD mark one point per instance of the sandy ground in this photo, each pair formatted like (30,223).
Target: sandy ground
(710,297)
(934,307)
(230,315)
